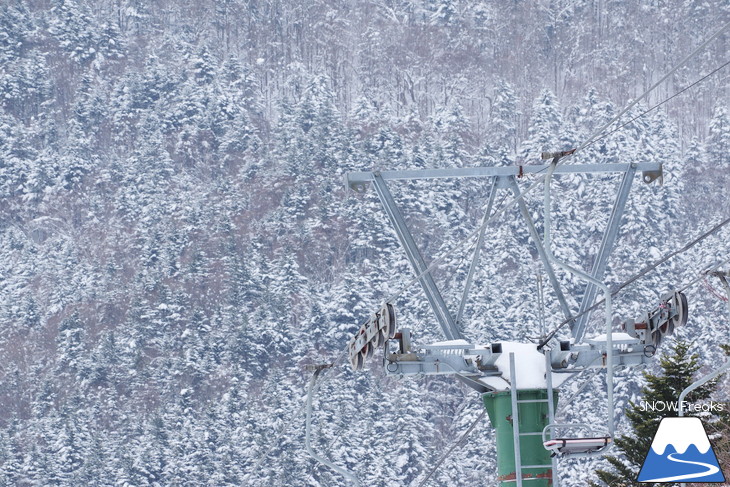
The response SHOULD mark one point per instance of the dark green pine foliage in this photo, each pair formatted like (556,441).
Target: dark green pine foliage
(719,433)
(678,370)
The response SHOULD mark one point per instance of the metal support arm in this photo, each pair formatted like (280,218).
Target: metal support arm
(540,248)
(475,258)
(435,300)
(599,265)
(359,180)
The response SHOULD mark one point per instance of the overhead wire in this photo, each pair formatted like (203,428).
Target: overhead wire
(657,105)
(541,180)
(652,87)
(452,448)
(637,276)
(593,138)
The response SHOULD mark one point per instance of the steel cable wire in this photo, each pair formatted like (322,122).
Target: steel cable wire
(591,139)
(640,274)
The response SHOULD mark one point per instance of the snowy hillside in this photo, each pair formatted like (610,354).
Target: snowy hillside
(177,244)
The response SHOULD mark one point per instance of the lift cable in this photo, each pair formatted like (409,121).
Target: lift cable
(453,447)
(541,180)
(479,418)
(596,139)
(646,93)
(436,262)
(656,106)
(642,273)
(620,288)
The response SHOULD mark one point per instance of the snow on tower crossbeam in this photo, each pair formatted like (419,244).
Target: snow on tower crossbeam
(488,367)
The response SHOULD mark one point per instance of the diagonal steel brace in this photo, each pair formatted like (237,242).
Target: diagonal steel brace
(609,239)
(435,300)
(540,249)
(477,251)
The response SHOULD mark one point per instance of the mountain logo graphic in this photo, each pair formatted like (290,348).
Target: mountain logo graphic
(681,452)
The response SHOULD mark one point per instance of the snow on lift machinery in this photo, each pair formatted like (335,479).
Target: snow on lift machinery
(492,369)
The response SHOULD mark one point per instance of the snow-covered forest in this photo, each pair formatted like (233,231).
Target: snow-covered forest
(177,243)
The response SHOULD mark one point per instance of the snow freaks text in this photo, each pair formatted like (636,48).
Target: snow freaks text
(673,406)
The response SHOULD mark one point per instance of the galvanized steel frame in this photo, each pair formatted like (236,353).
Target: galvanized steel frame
(599,265)
(433,295)
(503,177)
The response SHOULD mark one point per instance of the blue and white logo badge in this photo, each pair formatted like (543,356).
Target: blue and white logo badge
(681,452)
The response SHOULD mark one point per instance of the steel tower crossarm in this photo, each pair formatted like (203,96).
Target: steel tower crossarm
(359,180)
(504,176)
(433,295)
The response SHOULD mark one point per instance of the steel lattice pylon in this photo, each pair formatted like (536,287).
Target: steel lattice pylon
(528,451)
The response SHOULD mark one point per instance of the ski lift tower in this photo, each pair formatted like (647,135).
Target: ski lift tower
(518,381)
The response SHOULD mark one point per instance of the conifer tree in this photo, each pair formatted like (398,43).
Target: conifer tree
(74,29)
(502,138)
(678,368)
(717,146)
(545,126)
(719,434)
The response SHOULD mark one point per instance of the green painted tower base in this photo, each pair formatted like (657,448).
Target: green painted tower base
(533,416)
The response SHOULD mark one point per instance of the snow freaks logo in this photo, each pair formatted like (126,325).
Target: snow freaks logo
(667,406)
(681,452)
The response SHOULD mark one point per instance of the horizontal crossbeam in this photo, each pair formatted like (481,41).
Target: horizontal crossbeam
(357,180)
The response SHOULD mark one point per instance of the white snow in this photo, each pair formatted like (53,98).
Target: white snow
(616,337)
(680,433)
(450,343)
(529,366)
(496,383)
